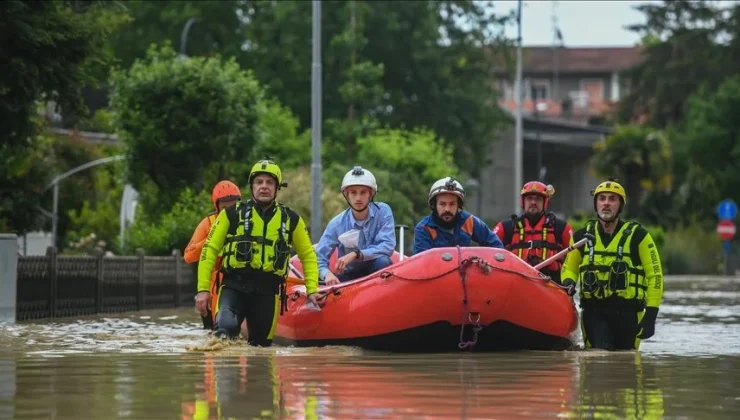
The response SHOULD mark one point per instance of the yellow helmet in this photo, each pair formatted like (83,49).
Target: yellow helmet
(269,167)
(611,186)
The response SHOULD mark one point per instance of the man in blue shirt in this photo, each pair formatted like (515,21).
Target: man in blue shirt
(449,225)
(363,234)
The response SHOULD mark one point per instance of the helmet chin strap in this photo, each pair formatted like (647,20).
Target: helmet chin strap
(353,207)
(616,216)
(262,203)
(608,223)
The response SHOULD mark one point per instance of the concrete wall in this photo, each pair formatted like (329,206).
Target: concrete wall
(8,275)
(568,170)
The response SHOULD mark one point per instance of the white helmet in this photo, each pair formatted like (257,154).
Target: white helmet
(359,176)
(447,185)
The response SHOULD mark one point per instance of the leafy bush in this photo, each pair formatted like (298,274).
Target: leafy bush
(97,223)
(297,196)
(691,250)
(405,164)
(173,230)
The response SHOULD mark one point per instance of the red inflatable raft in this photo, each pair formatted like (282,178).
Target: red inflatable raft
(439,300)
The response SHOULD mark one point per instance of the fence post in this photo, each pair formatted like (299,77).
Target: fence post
(178,276)
(99,281)
(51,255)
(8,277)
(140,288)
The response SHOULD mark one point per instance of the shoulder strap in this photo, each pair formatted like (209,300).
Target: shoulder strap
(590,226)
(559,229)
(628,230)
(287,231)
(232,213)
(508,226)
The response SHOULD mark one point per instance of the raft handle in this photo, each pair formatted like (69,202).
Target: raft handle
(400,241)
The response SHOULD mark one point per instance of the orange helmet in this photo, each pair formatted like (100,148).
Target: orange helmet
(537,188)
(225,190)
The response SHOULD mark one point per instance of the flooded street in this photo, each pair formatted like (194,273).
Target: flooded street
(151,365)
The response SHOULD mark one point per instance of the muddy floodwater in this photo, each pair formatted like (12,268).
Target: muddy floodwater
(162,365)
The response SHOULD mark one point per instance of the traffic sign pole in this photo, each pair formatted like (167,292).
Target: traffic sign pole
(727,248)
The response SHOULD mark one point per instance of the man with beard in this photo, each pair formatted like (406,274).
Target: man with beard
(620,275)
(254,238)
(363,234)
(537,234)
(448,224)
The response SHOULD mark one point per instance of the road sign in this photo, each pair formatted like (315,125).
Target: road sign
(726,230)
(727,209)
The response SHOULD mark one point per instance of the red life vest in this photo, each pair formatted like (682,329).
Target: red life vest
(534,243)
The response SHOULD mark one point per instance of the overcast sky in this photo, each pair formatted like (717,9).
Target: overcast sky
(582,23)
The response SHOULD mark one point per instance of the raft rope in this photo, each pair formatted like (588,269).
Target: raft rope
(476,325)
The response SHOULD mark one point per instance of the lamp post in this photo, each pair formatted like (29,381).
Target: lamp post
(55,183)
(316,188)
(518,137)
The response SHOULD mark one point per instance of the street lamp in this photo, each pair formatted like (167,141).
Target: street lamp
(55,183)
(518,136)
(184,35)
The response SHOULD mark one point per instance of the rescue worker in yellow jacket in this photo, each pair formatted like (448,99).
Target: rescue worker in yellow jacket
(254,238)
(619,275)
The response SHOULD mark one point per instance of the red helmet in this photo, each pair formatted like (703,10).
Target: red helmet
(225,190)
(537,188)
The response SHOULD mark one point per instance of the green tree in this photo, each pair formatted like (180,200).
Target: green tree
(711,138)
(640,157)
(177,117)
(217,28)
(403,64)
(682,50)
(49,51)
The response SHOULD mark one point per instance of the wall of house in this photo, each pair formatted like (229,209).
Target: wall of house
(568,170)
(567,84)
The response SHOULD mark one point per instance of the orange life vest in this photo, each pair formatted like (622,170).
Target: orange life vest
(534,243)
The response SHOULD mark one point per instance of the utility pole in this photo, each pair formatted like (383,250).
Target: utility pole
(519,141)
(316,188)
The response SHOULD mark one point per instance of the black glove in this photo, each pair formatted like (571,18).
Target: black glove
(570,286)
(647,325)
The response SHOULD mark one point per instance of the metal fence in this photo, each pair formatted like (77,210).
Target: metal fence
(53,286)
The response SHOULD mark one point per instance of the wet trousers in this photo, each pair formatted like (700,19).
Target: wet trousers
(611,324)
(260,310)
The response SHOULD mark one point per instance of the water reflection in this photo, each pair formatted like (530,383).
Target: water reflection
(137,366)
(618,386)
(306,387)
(565,385)
(242,383)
